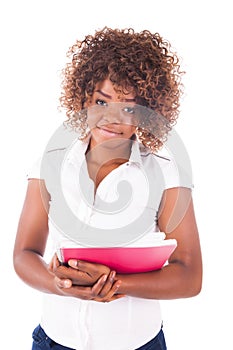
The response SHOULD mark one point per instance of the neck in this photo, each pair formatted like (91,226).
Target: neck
(109,152)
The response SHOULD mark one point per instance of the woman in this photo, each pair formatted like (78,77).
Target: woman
(121,92)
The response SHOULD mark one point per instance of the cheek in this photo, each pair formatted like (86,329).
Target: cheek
(94,115)
(95,133)
(129,129)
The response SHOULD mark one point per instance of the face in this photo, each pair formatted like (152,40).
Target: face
(111,116)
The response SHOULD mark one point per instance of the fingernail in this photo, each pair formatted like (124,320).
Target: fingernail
(66,283)
(112,275)
(73,263)
(104,278)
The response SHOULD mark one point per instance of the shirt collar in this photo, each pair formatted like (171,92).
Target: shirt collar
(135,156)
(77,150)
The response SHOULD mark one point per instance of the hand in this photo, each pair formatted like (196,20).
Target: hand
(81,273)
(104,290)
(67,280)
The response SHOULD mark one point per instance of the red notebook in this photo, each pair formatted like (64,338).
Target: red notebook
(124,259)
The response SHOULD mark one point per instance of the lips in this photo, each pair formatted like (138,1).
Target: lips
(109,130)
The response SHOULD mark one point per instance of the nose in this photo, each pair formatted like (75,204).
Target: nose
(112,114)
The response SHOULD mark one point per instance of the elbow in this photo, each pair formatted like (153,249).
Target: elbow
(14,260)
(194,284)
(195,290)
(198,286)
(19,262)
(191,276)
(16,264)
(189,280)
(190,288)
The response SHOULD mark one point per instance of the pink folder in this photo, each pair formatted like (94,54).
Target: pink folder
(124,259)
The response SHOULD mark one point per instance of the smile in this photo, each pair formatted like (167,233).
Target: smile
(107,131)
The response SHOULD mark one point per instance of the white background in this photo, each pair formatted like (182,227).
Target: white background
(35,36)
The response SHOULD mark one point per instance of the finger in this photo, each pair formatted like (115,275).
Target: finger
(56,262)
(96,289)
(114,297)
(84,293)
(73,263)
(117,296)
(80,292)
(108,284)
(63,283)
(51,263)
(84,266)
(70,273)
(107,295)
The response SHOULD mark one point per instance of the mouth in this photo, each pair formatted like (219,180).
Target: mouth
(108,131)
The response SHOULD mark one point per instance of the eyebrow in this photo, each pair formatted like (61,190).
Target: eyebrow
(110,97)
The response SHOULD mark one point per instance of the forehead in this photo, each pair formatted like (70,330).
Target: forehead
(107,89)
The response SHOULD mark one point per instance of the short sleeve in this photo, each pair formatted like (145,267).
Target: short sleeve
(176,175)
(176,170)
(34,171)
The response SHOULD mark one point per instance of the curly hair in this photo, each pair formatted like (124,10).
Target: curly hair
(142,62)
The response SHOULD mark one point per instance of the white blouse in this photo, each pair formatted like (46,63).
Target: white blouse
(122,212)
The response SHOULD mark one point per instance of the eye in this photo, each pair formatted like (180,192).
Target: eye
(129,110)
(100,102)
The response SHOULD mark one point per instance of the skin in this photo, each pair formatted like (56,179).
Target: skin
(108,148)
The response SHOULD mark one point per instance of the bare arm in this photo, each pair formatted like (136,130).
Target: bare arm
(31,239)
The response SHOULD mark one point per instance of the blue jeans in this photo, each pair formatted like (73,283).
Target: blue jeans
(42,342)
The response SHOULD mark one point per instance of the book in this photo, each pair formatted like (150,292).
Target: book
(127,259)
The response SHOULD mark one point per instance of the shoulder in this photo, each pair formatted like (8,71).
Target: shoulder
(62,143)
(175,170)
(161,159)
(54,151)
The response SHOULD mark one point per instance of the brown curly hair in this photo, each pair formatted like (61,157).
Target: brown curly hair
(140,61)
